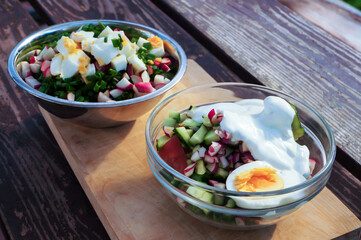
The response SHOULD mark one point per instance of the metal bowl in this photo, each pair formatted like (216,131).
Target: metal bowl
(95,114)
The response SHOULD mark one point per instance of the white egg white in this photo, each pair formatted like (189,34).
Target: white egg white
(289,177)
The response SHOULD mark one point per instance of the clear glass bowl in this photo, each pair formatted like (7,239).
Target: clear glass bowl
(318,139)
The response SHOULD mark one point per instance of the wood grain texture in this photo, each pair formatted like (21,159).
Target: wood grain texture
(139,11)
(286,52)
(40,198)
(339,21)
(111,166)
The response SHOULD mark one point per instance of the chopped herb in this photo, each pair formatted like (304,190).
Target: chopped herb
(147,46)
(101,24)
(134,40)
(106,39)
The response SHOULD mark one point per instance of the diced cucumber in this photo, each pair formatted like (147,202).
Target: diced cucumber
(190,132)
(230,203)
(229,151)
(297,129)
(191,108)
(200,168)
(169,122)
(175,115)
(162,141)
(191,123)
(189,162)
(198,136)
(206,122)
(202,178)
(210,137)
(218,199)
(183,135)
(221,174)
(201,195)
(183,117)
(195,149)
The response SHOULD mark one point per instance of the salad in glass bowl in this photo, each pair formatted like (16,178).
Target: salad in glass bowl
(241,156)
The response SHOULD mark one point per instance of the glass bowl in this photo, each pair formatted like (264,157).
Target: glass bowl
(95,114)
(318,139)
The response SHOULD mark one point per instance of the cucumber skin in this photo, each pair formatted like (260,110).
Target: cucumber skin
(175,115)
(210,137)
(169,122)
(198,136)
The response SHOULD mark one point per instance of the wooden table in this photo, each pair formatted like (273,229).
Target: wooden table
(260,42)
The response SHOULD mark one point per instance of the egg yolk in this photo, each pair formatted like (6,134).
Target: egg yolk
(156,42)
(70,45)
(83,65)
(258,180)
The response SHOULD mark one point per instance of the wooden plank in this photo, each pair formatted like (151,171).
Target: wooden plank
(111,167)
(334,16)
(285,52)
(139,11)
(40,198)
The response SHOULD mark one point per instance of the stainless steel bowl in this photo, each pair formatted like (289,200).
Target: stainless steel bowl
(97,115)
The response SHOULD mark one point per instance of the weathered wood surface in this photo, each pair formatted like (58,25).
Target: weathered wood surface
(334,16)
(40,197)
(286,52)
(130,210)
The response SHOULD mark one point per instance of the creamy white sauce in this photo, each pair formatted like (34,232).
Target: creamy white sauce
(265,126)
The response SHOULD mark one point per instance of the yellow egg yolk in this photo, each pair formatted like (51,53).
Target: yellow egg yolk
(83,65)
(70,45)
(258,180)
(156,42)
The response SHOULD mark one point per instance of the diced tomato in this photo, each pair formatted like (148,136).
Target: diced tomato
(173,154)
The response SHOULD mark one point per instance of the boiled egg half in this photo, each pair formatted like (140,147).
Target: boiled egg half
(260,176)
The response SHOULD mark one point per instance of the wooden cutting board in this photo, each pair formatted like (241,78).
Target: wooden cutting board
(112,168)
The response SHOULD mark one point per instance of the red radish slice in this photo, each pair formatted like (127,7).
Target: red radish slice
(164,67)
(173,154)
(211,159)
(124,84)
(70,96)
(202,152)
(136,79)
(33,59)
(32,82)
(47,72)
(116,29)
(158,79)
(217,184)
(101,68)
(159,85)
(37,52)
(45,65)
(312,165)
(212,167)
(237,165)
(130,70)
(240,221)
(188,171)
(166,61)
(116,93)
(247,157)
(144,87)
(125,75)
(156,63)
(214,148)
(102,97)
(223,162)
(107,93)
(25,69)
(35,67)
(149,70)
(195,156)
(145,76)
(211,114)
(48,54)
(168,131)
(230,160)
(244,147)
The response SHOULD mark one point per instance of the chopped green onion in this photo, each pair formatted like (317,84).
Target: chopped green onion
(147,46)
(101,24)
(106,39)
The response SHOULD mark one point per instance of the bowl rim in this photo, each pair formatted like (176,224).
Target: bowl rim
(73,24)
(322,173)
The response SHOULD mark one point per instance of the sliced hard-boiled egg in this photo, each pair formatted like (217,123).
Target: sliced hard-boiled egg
(55,65)
(157,46)
(141,41)
(81,35)
(67,46)
(138,65)
(259,176)
(127,49)
(71,63)
(103,51)
(86,44)
(119,63)
(107,30)
(90,71)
